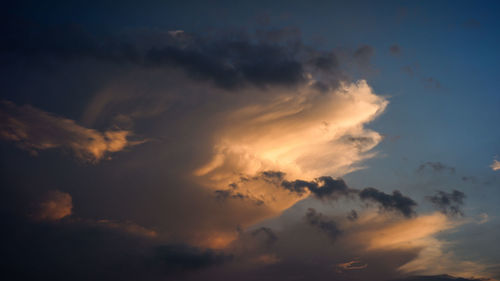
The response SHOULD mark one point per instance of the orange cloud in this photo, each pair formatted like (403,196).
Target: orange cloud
(302,132)
(378,232)
(33,129)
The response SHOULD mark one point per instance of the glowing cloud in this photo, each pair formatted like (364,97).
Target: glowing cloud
(304,133)
(33,129)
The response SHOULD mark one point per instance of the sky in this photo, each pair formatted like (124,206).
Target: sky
(250,140)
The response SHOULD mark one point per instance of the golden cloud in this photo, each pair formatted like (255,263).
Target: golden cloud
(304,133)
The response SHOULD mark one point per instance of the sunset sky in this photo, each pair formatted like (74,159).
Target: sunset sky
(250,140)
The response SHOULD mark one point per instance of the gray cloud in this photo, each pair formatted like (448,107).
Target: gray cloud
(394,202)
(448,203)
(323,187)
(326,225)
(268,57)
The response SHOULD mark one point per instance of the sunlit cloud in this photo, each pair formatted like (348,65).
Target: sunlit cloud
(496,165)
(305,133)
(33,130)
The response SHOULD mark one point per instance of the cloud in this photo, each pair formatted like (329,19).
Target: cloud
(326,225)
(257,120)
(322,187)
(496,165)
(299,132)
(394,202)
(54,206)
(448,203)
(33,129)
(230,61)
(437,167)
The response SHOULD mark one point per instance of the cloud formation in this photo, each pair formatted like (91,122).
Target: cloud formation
(33,130)
(395,202)
(326,225)
(448,203)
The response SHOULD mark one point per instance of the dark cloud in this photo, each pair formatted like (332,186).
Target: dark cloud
(323,223)
(394,202)
(273,176)
(325,62)
(232,63)
(275,57)
(224,194)
(448,203)
(322,187)
(437,167)
(88,250)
